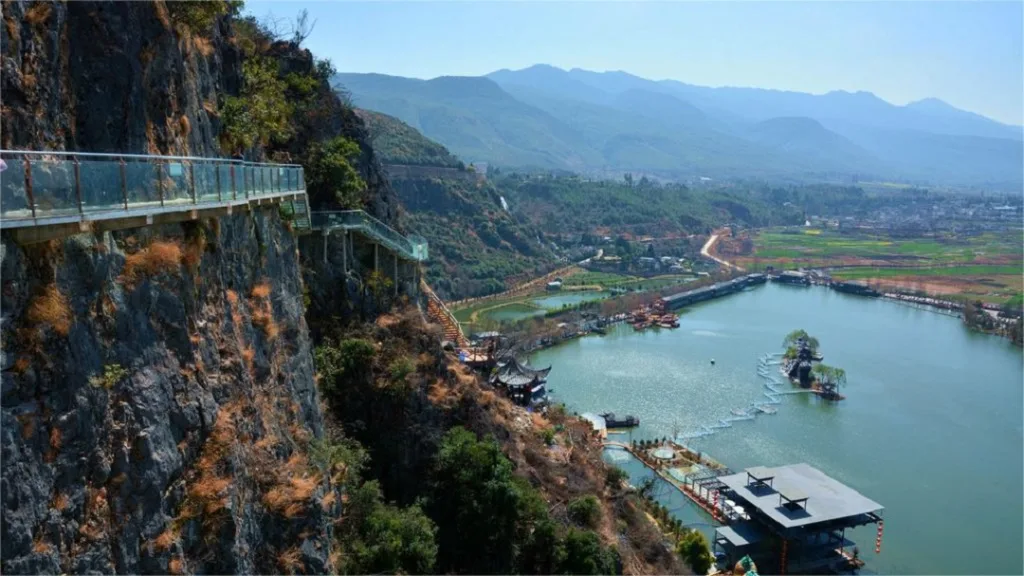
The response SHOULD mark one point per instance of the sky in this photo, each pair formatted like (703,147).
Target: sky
(969,54)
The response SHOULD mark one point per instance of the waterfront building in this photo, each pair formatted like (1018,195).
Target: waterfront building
(524,385)
(795,520)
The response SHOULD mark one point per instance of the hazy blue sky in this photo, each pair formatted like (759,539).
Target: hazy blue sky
(968,54)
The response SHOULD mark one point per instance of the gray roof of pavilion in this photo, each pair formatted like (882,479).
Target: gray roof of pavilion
(513,373)
(827,498)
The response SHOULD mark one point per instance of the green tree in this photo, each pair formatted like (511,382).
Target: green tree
(261,113)
(381,538)
(584,554)
(351,359)
(544,551)
(200,16)
(795,335)
(829,376)
(331,177)
(482,511)
(695,551)
(585,511)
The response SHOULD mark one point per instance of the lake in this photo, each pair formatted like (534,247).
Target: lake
(931,427)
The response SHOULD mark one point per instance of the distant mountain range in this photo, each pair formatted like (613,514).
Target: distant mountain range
(607,123)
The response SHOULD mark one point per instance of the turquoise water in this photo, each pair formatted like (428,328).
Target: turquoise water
(931,427)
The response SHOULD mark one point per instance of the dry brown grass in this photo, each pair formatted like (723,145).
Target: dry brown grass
(160,257)
(13,32)
(174,566)
(28,425)
(51,308)
(290,560)
(38,13)
(21,365)
(263,317)
(232,297)
(39,546)
(61,502)
(291,496)
(184,126)
(248,354)
(162,13)
(328,501)
(261,290)
(165,540)
(203,46)
(210,106)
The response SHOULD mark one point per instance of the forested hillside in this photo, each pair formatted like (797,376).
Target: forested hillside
(475,244)
(641,207)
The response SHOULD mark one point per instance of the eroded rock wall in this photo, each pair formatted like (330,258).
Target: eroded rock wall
(158,399)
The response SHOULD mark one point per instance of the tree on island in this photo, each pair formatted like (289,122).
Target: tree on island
(829,377)
(790,343)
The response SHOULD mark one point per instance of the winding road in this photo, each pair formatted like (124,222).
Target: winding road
(706,252)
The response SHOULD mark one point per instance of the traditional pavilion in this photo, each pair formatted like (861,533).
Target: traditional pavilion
(794,520)
(524,385)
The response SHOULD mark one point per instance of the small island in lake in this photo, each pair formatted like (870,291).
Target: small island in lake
(802,365)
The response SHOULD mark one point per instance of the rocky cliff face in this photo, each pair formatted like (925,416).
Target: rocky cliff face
(112,77)
(158,397)
(152,375)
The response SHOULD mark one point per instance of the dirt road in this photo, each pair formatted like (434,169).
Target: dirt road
(706,252)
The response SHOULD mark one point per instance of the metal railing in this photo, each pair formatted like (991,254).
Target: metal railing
(408,247)
(42,187)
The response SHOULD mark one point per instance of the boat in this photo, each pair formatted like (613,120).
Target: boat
(611,421)
(599,330)
(738,412)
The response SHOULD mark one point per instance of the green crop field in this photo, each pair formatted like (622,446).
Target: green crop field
(987,266)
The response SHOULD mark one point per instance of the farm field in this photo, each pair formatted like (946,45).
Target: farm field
(985,267)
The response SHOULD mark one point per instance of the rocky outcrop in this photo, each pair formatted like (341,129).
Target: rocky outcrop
(158,403)
(112,77)
(151,378)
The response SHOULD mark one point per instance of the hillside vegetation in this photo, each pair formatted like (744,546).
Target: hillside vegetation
(475,244)
(614,122)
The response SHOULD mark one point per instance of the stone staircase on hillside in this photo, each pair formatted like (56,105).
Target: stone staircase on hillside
(439,313)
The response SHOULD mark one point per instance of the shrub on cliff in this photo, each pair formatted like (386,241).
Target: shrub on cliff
(585,511)
(331,176)
(200,16)
(350,360)
(261,113)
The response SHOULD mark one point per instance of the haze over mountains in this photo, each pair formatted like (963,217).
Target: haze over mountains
(606,123)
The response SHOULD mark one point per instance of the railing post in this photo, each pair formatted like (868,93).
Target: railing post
(192,181)
(216,175)
(28,185)
(124,181)
(78,184)
(160,181)
(234,187)
(344,251)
